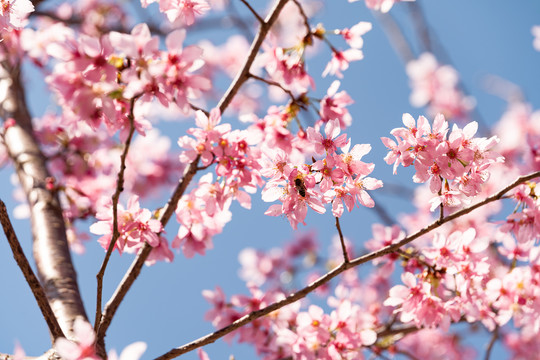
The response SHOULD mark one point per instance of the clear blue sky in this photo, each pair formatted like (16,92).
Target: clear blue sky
(165,307)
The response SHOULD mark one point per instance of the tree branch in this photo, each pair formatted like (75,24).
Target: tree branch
(115,199)
(491,343)
(212,337)
(257,16)
(29,275)
(342,241)
(243,74)
(273,83)
(51,251)
(135,268)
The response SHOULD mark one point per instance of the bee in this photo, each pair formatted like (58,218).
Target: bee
(300,187)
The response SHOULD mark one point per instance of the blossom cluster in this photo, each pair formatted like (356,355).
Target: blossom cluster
(455,164)
(338,178)
(135,225)
(98,79)
(204,211)
(293,331)
(84,165)
(437,87)
(83,345)
(182,10)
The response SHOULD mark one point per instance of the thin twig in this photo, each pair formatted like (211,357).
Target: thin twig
(135,268)
(304,17)
(196,108)
(491,343)
(115,199)
(243,74)
(342,241)
(273,83)
(441,207)
(259,18)
(246,319)
(31,279)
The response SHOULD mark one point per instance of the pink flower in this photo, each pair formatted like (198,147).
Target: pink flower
(359,186)
(383,6)
(13,13)
(353,36)
(448,198)
(436,86)
(180,9)
(83,346)
(287,69)
(536,33)
(333,106)
(135,225)
(131,352)
(340,61)
(331,142)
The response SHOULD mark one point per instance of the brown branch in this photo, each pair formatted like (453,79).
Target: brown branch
(210,338)
(305,18)
(135,268)
(259,18)
(243,74)
(31,279)
(51,250)
(246,319)
(196,108)
(491,343)
(391,248)
(273,83)
(342,241)
(115,199)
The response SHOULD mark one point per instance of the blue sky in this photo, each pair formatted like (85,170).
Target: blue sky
(165,307)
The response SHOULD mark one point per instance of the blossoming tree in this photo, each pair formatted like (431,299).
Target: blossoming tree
(259,120)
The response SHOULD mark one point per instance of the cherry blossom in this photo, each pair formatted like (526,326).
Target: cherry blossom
(14,13)
(83,348)
(180,9)
(135,226)
(383,6)
(436,86)
(247,117)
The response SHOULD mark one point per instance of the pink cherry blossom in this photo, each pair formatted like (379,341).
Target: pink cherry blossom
(180,9)
(333,106)
(83,346)
(353,36)
(340,61)
(13,13)
(135,226)
(331,141)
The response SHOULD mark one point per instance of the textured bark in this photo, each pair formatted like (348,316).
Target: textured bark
(51,251)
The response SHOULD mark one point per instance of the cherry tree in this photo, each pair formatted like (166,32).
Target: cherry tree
(157,122)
